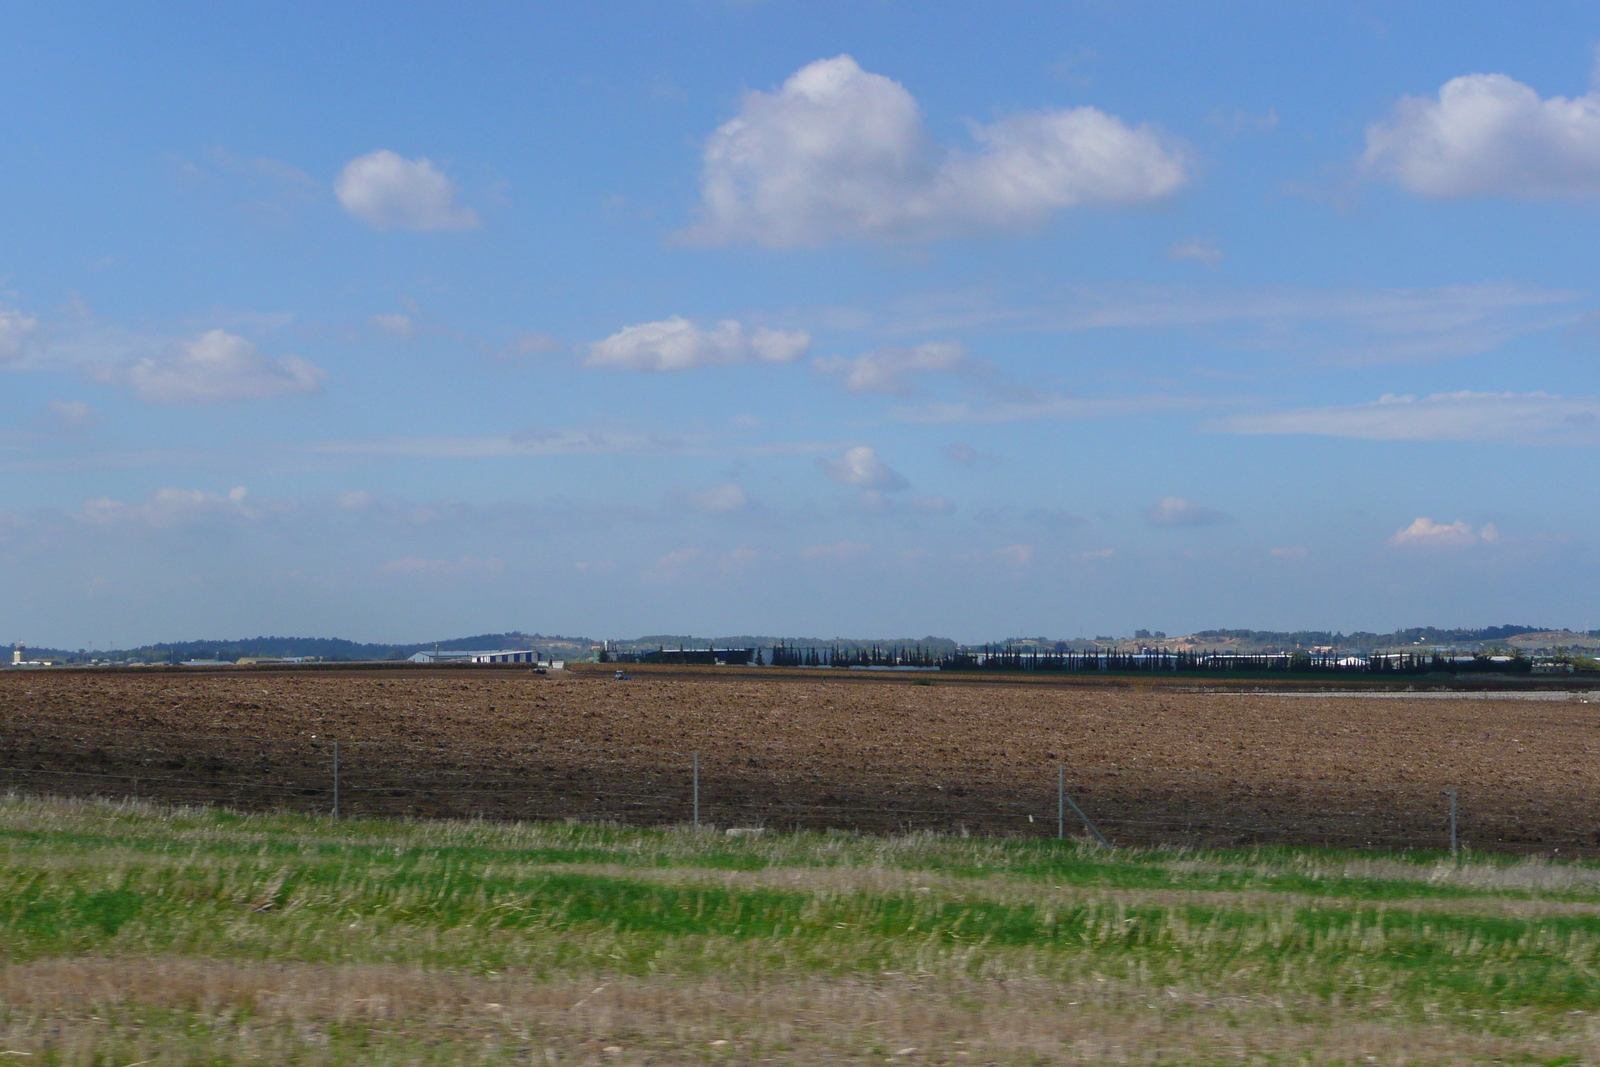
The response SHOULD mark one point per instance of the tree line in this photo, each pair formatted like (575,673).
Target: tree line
(1011,658)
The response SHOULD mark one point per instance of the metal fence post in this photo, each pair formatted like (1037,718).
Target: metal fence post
(1079,813)
(336,779)
(1061,802)
(697,790)
(1454,842)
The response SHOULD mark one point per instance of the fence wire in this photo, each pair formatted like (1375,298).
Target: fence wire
(640,786)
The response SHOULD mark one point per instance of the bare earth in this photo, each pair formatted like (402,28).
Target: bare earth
(1150,763)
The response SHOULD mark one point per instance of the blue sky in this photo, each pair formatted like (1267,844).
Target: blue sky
(401,321)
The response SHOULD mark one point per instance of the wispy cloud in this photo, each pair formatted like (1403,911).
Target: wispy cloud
(1345,326)
(215,367)
(15,330)
(73,414)
(894,369)
(720,499)
(1176,511)
(395,325)
(464,567)
(837,552)
(1198,250)
(1514,418)
(526,345)
(1054,518)
(171,508)
(491,446)
(273,190)
(1044,406)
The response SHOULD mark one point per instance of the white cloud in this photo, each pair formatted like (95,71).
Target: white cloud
(1489,134)
(14,330)
(1290,552)
(217,366)
(678,344)
(72,414)
(389,192)
(1200,251)
(1425,533)
(398,326)
(840,152)
(1176,511)
(720,500)
(864,469)
(1517,418)
(892,369)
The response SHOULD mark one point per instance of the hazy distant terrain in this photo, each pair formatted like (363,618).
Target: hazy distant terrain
(335,649)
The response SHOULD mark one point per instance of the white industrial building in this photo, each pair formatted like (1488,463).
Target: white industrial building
(501,655)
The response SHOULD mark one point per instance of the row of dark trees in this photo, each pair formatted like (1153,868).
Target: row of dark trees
(1009,658)
(1012,659)
(874,656)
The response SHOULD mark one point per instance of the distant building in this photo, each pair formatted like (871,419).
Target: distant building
(506,656)
(440,657)
(718,657)
(499,655)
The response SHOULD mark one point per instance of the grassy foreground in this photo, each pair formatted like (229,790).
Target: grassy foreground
(131,933)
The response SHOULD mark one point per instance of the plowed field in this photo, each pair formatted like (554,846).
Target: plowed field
(1149,763)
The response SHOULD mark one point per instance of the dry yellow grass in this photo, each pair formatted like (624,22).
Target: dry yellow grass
(207,1011)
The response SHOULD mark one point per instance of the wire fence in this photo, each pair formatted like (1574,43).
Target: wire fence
(640,786)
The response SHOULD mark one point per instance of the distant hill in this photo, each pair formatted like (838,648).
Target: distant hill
(1557,639)
(1413,637)
(338,650)
(1250,641)
(328,649)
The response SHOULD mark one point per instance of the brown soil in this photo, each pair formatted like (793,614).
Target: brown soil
(1150,763)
